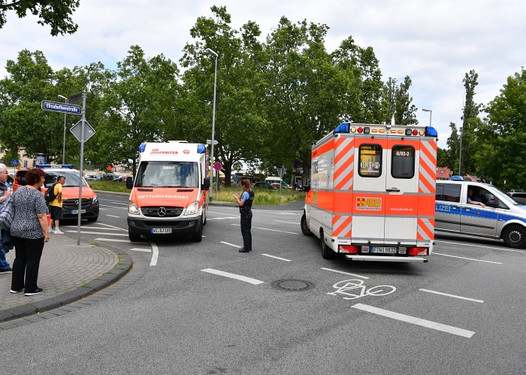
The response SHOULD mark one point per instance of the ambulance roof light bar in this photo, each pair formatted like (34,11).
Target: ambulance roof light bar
(345,127)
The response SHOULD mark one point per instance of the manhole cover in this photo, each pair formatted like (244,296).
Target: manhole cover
(293,285)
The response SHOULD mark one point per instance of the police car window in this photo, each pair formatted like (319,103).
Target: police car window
(403,162)
(448,192)
(370,160)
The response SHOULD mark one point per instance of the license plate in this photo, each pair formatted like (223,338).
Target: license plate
(384,250)
(161,230)
(76,212)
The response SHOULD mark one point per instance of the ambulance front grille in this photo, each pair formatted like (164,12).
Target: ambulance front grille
(162,211)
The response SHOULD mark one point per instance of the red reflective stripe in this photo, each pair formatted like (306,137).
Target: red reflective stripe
(326,147)
(429,233)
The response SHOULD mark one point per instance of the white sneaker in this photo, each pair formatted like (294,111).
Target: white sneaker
(58,231)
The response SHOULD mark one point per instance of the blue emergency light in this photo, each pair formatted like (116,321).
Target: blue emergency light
(142,146)
(201,149)
(342,128)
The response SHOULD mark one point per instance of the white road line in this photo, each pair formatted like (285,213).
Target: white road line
(233,276)
(413,320)
(113,226)
(474,260)
(115,216)
(222,218)
(286,222)
(155,254)
(344,273)
(111,240)
(275,257)
(231,244)
(270,230)
(102,228)
(481,247)
(144,250)
(99,233)
(451,295)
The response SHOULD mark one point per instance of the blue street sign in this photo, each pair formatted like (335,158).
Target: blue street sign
(69,109)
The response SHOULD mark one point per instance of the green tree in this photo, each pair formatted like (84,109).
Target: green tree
(501,156)
(139,105)
(470,124)
(240,89)
(23,124)
(56,14)
(398,103)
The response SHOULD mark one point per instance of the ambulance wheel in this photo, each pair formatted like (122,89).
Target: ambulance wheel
(326,251)
(198,236)
(514,236)
(304,227)
(134,237)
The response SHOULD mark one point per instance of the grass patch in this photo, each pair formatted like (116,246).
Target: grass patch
(263,196)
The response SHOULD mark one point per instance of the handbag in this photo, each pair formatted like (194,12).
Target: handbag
(7,214)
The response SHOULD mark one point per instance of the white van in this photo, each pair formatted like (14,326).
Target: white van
(499,217)
(276,180)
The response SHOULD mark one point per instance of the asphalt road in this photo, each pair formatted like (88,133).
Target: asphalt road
(205,308)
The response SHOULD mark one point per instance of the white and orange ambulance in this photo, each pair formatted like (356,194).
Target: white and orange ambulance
(170,192)
(372,193)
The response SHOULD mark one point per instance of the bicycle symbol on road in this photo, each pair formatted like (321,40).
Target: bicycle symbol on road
(358,290)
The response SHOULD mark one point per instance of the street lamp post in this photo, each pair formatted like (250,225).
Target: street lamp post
(213,53)
(64,143)
(430,114)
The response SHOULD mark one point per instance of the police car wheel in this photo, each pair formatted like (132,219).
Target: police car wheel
(514,236)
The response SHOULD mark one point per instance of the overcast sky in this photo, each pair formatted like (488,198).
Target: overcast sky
(433,42)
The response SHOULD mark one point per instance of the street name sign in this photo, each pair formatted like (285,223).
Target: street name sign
(61,107)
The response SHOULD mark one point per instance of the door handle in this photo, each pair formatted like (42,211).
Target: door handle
(393,190)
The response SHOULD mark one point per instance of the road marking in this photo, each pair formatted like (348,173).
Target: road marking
(474,260)
(413,320)
(270,230)
(115,216)
(480,247)
(105,228)
(233,276)
(275,257)
(111,240)
(113,226)
(155,254)
(285,222)
(231,244)
(452,295)
(222,218)
(344,273)
(144,250)
(99,233)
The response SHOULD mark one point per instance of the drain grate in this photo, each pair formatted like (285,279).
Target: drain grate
(293,285)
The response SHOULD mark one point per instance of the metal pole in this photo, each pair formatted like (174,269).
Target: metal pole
(460,153)
(64,142)
(213,53)
(81,163)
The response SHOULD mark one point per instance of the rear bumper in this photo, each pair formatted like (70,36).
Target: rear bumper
(376,258)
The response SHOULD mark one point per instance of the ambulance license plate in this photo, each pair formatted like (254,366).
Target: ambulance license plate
(384,250)
(161,230)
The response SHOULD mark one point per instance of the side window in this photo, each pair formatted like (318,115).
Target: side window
(370,160)
(448,192)
(403,163)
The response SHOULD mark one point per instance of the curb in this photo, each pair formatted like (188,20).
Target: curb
(105,280)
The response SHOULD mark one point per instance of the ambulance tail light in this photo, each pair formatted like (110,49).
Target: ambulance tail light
(349,249)
(416,251)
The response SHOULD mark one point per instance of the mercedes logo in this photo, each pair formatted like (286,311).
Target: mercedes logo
(161,211)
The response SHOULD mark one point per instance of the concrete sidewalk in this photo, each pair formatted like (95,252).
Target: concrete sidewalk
(68,272)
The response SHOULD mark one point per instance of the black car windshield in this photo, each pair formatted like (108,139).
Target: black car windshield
(168,174)
(72,178)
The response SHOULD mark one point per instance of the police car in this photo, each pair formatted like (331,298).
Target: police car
(499,216)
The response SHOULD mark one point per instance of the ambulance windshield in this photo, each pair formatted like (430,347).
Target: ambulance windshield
(168,174)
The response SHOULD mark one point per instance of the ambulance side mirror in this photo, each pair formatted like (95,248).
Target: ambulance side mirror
(206,184)
(129,182)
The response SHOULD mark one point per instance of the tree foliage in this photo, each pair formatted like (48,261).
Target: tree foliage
(56,14)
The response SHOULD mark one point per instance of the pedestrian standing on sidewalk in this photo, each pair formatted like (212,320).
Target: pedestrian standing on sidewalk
(55,206)
(29,232)
(5,193)
(245,208)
